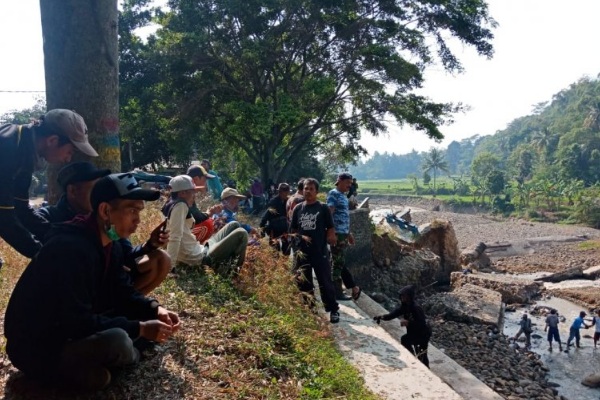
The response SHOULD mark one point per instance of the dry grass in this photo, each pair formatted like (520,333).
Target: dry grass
(245,338)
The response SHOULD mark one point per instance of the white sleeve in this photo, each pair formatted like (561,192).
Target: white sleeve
(176,226)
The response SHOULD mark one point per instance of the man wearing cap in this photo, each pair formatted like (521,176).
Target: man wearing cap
(77,179)
(574,330)
(214,182)
(227,245)
(54,137)
(274,220)
(338,204)
(230,199)
(204,225)
(74,315)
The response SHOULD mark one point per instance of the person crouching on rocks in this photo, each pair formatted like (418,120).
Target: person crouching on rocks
(525,328)
(418,331)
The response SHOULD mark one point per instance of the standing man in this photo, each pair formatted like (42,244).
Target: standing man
(274,221)
(54,137)
(258,195)
(214,183)
(552,328)
(147,266)
(312,223)
(295,199)
(338,204)
(418,331)
(574,330)
(596,323)
(73,315)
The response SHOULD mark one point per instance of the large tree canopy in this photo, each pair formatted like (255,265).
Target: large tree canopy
(275,78)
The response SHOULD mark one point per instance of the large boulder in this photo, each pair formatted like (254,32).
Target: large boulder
(513,290)
(591,381)
(440,238)
(468,303)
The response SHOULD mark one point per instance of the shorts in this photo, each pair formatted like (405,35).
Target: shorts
(553,333)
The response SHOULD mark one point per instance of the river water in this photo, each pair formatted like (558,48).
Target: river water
(566,369)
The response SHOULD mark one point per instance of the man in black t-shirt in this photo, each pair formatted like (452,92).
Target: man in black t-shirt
(313,225)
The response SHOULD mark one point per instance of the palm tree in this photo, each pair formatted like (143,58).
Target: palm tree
(434,160)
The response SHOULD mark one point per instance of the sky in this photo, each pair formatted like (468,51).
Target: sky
(541,47)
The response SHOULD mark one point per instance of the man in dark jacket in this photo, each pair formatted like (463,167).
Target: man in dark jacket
(418,331)
(73,314)
(274,221)
(77,179)
(54,137)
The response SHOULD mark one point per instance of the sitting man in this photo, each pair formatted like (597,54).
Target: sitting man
(147,270)
(74,314)
(274,221)
(204,225)
(230,200)
(226,245)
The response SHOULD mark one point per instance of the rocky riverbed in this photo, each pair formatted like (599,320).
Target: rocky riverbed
(493,359)
(542,248)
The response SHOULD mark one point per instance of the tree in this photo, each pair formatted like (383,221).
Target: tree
(434,160)
(484,173)
(277,78)
(81,69)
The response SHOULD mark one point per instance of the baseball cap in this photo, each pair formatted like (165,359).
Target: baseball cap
(197,170)
(120,186)
(69,123)
(183,182)
(231,192)
(79,172)
(283,187)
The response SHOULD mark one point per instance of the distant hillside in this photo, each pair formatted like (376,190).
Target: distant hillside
(561,137)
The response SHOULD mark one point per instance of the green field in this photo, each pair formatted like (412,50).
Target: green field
(399,186)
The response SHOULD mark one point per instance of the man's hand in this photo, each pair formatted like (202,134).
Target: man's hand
(217,208)
(377,319)
(351,239)
(331,238)
(155,330)
(159,236)
(403,322)
(170,318)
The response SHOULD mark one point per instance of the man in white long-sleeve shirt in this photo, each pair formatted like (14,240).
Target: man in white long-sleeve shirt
(220,251)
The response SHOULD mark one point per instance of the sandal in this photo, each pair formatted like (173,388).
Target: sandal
(356,295)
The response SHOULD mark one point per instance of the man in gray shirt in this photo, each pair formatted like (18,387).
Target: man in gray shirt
(552,328)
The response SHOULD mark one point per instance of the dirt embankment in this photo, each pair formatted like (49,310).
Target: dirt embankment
(552,255)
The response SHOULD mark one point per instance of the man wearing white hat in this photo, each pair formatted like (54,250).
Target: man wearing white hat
(227,245)
(54,137)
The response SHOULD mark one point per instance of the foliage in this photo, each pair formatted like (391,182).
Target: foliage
(434,161)
(24,116)
(587,211)
(277,79)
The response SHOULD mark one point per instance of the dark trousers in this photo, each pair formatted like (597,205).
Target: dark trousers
(417,346)
(338,257)
(303,268)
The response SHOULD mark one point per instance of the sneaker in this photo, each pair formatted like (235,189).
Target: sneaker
(334,317)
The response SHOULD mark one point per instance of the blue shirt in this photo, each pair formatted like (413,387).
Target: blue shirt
(226,216)
(214,185)
(577,323)
(341,213)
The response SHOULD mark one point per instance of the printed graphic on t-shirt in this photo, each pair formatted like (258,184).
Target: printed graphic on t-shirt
(308,222)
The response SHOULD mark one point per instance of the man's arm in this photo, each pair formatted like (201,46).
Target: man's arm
(176,228)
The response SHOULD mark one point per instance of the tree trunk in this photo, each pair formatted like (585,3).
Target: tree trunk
(82,73)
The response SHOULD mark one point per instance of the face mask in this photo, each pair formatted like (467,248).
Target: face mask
(110,230)
(112,233)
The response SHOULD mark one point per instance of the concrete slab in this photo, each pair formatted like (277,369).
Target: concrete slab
(459,380)
(469,304)
(388,369)
(513,290)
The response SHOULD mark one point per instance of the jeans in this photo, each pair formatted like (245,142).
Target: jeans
(573,334)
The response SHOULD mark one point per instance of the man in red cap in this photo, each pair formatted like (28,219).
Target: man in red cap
(54,137)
